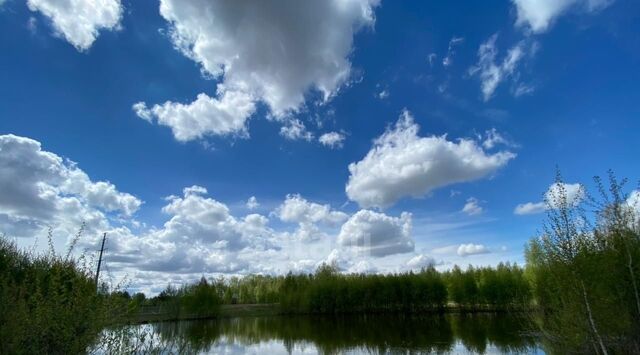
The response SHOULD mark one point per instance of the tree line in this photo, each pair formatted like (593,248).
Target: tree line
(329,291)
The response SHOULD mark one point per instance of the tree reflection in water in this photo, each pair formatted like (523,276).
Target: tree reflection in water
(365,333)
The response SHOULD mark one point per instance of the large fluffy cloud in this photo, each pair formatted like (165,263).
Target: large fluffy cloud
(40,189)
(401,163)
(224,115)
(196,217)
(296,209)
(80,21)
(201,235)
(558,194)
(377,234)
(538,15)
(271,52)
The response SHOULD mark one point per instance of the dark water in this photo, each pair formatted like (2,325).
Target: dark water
(451,333)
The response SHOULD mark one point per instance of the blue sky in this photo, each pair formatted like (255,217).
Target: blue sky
(500,95)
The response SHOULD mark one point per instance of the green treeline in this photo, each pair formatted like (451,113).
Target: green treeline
(328,291)
(203,299)
(502,287)
(250,289)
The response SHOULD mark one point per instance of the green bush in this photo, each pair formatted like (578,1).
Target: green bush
(48,304)
(201,299)
(585,272)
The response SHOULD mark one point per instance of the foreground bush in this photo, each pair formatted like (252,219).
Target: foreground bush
(48,304)
(585,271)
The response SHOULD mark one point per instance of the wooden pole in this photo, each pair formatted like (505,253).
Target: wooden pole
(104,237)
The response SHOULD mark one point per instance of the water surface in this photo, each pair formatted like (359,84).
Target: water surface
(377,334)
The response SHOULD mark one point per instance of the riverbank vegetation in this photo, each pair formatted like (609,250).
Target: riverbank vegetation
(49,304)
(327,291)
(585,270)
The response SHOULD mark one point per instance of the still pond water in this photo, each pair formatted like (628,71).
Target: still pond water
(448,334)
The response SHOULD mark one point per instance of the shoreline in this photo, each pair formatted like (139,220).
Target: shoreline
(273,309)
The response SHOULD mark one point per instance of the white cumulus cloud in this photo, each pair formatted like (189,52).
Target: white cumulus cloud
(80,21)
(472,249)
(539,15)
(557,195)
(401,164)
(420,261)
(224,115)
(530,208)
(296,209)
(39,189)
(376,234)
(270,52)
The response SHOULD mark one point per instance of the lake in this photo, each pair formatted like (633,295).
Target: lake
(377,334)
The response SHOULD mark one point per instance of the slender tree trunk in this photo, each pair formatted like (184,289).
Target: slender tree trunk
(633,278)
(592,323)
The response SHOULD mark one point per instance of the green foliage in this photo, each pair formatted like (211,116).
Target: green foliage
(584,272)
(250,289)
(201,299)
(327,291)
(501,288)
(48,304)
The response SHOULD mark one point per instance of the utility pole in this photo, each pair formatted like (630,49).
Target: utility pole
(104,237)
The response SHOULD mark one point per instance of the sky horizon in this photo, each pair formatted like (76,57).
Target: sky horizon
(231,138)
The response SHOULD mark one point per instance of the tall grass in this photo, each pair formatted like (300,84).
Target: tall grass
(49,303)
